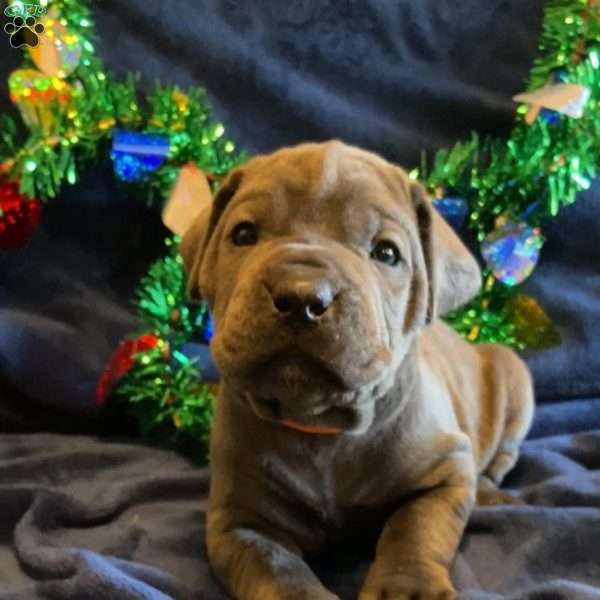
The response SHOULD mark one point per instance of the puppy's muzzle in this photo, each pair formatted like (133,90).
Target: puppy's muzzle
(301,294)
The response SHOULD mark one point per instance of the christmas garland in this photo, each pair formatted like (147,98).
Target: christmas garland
(513,187)
(504,191)
(73,112)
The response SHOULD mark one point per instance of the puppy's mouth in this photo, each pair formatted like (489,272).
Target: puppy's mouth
(296,378)
(295,371)
(330,420)
(302,393)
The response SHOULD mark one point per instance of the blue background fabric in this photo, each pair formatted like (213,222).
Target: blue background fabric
(85,514)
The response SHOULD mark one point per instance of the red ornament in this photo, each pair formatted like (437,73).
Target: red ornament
(19,216)
(120,363)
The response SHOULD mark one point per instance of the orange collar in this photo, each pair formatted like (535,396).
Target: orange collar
(317,429)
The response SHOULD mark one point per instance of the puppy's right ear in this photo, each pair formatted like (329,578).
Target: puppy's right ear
(453,273)
(196,237)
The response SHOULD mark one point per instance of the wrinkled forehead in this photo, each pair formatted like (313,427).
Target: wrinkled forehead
(327,185)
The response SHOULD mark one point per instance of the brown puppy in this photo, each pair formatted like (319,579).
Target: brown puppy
(345,405)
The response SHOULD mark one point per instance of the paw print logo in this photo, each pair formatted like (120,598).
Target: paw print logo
(24,31)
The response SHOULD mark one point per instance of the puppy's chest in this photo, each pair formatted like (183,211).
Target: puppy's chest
(340,490)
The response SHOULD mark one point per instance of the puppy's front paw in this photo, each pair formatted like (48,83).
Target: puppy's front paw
(408,587)
(489,494)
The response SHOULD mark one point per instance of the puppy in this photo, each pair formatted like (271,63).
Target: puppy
(346,405)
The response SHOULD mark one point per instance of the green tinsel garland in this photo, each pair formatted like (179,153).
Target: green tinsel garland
(546,163)
(80,131)
(163,389)
(165,393)
(543,163)
(172,404)
(162,304)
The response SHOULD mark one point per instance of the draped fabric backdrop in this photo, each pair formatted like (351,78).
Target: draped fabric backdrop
(393,76)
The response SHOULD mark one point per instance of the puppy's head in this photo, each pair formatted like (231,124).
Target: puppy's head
(319,264)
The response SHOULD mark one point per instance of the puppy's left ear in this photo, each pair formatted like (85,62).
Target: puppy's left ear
(196,238)
(186,213)
(453,273)
(190,249)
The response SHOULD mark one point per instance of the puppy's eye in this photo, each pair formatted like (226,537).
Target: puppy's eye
(244,234)
(386,252)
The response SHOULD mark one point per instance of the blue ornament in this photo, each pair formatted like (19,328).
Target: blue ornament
(551,117)
(205,322)
(209,329)
(512,251)
(137,154)
(453,209)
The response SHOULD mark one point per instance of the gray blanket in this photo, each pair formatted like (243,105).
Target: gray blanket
(98,519)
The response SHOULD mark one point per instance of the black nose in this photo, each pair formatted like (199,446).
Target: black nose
(302,301)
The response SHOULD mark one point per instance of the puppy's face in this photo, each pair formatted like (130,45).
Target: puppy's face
(319,265)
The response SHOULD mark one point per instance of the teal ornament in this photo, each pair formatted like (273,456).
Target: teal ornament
(136,154)
(560,76)
(453,209)
(512,251)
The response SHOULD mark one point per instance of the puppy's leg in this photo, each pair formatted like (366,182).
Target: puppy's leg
(419,542)
(489,494)
(519,414)
(254,562)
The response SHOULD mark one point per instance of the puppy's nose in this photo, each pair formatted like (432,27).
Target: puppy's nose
(300,301)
